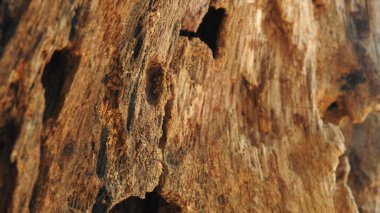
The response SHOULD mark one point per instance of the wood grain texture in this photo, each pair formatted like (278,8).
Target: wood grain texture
(191,106)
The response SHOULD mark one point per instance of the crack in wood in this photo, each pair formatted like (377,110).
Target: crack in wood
(132,105)
(102,201)
(102,155)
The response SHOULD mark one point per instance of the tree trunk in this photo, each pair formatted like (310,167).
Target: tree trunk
(189,106)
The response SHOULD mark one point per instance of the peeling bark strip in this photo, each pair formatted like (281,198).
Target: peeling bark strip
(189,106)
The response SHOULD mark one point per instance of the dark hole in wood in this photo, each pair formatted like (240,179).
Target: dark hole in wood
(209,29)
(332,107)
(152,203)
(154,83)
(335,111)
(188,34)
(8,171)
(56,79)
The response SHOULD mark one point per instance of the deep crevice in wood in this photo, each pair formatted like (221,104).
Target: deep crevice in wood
(209,29)
(102,201)
(8,171)
(132,106)
(152,203)
(56,79)
(102,156)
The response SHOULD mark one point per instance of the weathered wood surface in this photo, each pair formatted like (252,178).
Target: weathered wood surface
(199,106)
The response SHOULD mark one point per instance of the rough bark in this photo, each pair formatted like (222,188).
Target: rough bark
(192,106)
